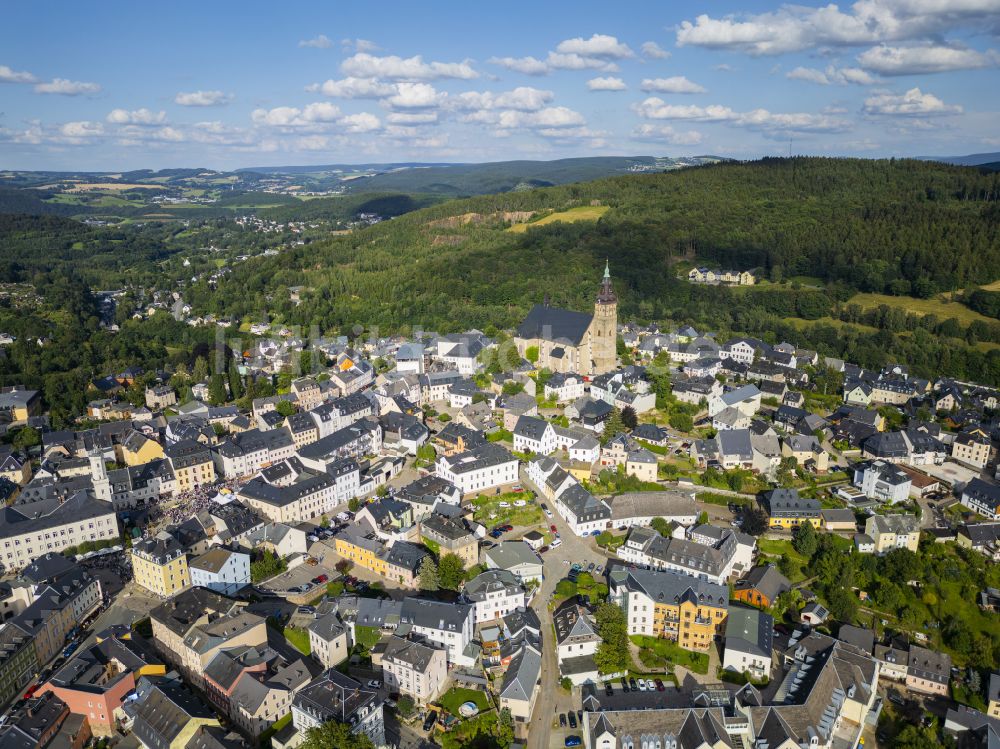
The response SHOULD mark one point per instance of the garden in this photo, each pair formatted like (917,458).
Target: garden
(487,509)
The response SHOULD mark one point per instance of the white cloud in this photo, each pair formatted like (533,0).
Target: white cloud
(523,98)
(82,129)
(202,98)
(319,42)
(64,87)
(677,84)
(359,45)
(666,134)
(288,117)
(364,65)
(793,28)
(362,122)
(9,75)
(925,58)
(655,108)
(599,45)
(136,117)
(574,61)
(415,96)
(724,68)
(412,118)
(550,117)
(354,88)
(913,103)
(832,76)
(609,83)
(654,51)
(526,65)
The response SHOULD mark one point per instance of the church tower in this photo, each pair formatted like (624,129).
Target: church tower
(604,329)
(99,475)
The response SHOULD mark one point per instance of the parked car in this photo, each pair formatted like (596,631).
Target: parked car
(572,719)
(543,549)
(555,543)
(608,689)
(517,489)
(642,685)
(590,567)
(625,687)
(553,528)
(659,685)
(572,741)
(632,685)
(430,720)
(374,683)
(562,720)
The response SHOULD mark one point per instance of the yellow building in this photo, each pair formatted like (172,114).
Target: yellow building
(671,605)
(137,449)
(364,551)
(20,403)
(192,464)
(160,565)
(787,510)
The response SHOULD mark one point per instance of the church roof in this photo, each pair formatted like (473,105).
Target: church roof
(554,324)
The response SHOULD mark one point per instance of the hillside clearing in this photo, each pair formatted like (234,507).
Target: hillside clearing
(581,213)
(921,307)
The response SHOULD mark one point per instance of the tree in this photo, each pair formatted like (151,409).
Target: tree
(324,522)
(200,371)
(703,518)
(804,539)
(531,354)
(428,574)
(334,735)
(235,382)
(681,421)
(613,653)
(426,453)
(285,408)
(843,605)
(629,419)
(405,706)
(354,504)
(451,571)
(754,521)
(565,588)
(661,526)
(612,426)
(566,683)
(26,437)
(217,390)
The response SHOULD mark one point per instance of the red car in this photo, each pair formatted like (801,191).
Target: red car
(319,580)
(659,685)
(553,528)
(31,691)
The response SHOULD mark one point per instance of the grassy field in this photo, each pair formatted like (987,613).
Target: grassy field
(673,653)
(582,213)
(780,547)
(299,639)
(454,697)
(943,309)
(489,512)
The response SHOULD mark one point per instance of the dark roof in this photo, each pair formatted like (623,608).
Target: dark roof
(554,324)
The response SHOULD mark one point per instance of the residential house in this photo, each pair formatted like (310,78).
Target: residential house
(221,570)
(495,593)
(336,696)
(515,557)
(927,671)
(882,481)
(414,666)
(480,469)
(787,510)
(160,565)
(761,586)
(449,625)
(983,498)
(749,635)
(890,532)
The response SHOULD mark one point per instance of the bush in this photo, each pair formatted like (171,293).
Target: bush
(405,706)
(566,684)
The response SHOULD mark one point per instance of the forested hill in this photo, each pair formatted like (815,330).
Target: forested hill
(900,227)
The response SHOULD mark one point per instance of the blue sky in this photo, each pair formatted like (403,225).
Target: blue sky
(118,86)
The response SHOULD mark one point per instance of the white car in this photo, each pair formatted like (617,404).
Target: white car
(519,503)
(642,685)
(503,504)
(555,543)
(548,513)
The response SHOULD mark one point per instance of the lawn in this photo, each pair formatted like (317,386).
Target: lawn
(367,637)
(673,653)
(489,512)
(299,639)
(455,696)
(582,213)
(781,547)
(936,306)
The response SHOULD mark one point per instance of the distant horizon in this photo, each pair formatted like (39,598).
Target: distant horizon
(228,84)
(427,164)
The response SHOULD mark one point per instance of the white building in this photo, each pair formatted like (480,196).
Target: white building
(534,435)
(495,593)
(480,469)
(749,635)
(449,625)
(414,667)
(221,570)
(882,481)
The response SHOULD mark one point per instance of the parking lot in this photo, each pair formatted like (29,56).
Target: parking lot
(299,576)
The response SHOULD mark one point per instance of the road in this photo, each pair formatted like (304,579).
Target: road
(551,697)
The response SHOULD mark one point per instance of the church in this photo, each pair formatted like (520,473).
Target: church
(571,341)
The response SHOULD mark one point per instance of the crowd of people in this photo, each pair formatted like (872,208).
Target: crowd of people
(180,507)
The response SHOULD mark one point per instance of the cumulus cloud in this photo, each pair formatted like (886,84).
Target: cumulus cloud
(655,108)
(925,58)
(362,122)
(574,61)
(354,88)
(913,103)
(832,76)
(359,45)
(136,117)
(412,118)
(364,65)
(415,96)
(9,75)
(65,87)
(667,134)
(318,42)
(202,98)
(526,65)
(550,117)
(82,129)
(289,117)
(599,45)
(522,98)
(793,28)
(677,84)
(608,83)
(654,51)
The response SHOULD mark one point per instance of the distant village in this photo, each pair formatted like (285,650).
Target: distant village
(401,538)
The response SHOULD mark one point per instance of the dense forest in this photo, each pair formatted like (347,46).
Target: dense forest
(897,227)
